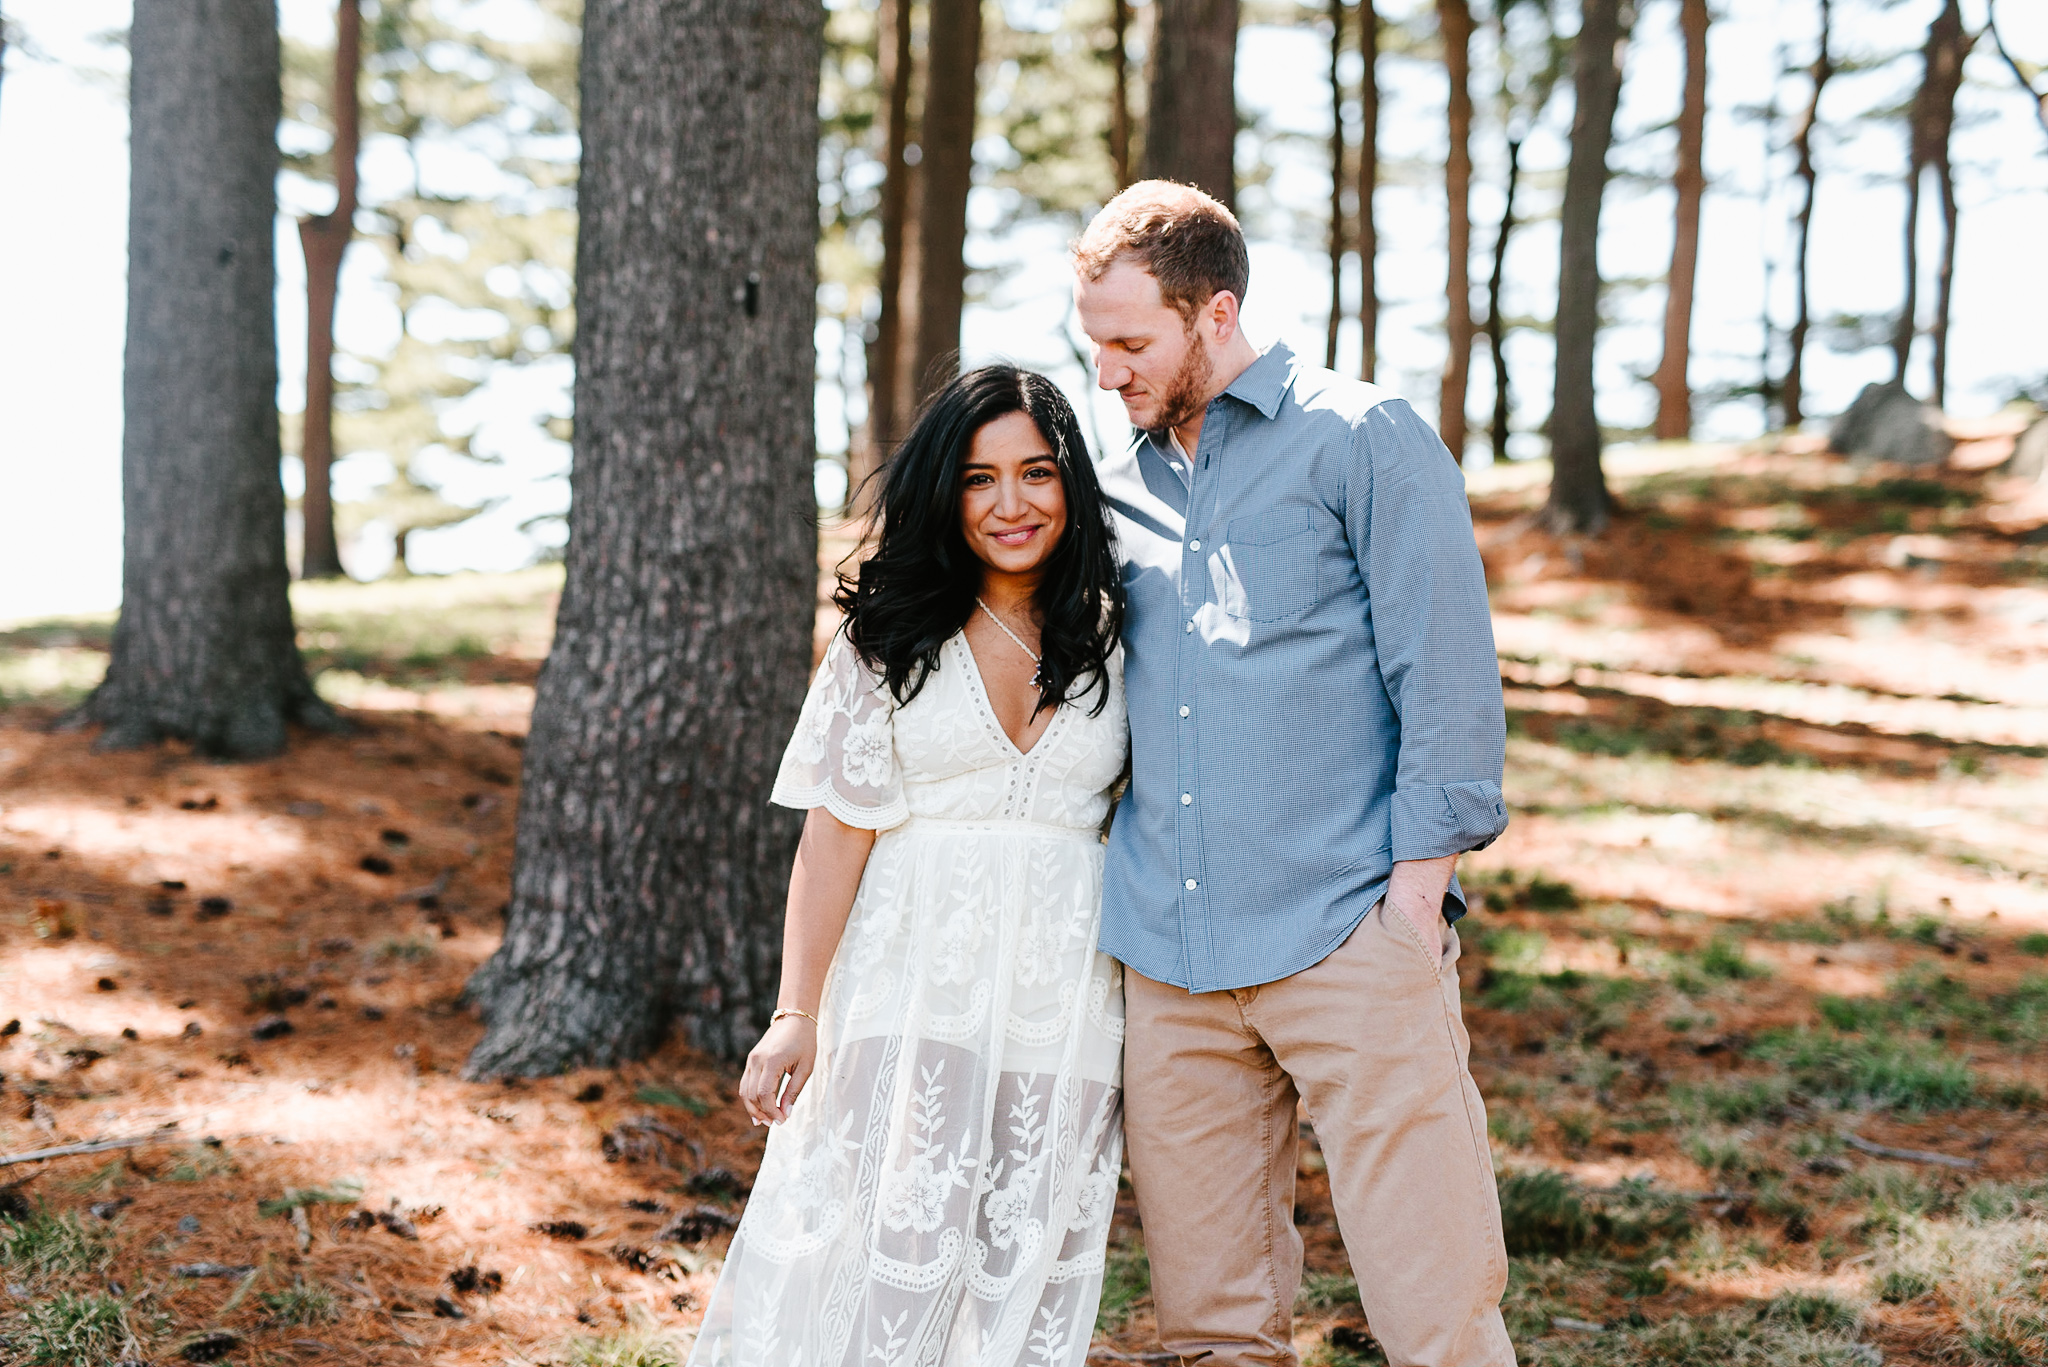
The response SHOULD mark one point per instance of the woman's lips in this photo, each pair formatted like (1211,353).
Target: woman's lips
(1016,536)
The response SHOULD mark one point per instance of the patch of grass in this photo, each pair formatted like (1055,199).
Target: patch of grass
(656,1095)
(1990,1202)
(301,1303)
(1898,1286)
(1719,1152)
(1510,1127)
(1723,958)
(47,1245)
(1326,1291)
(409,950)
(1731,1102)
(1895,1197)
(1545,1213)
(2035,944)
(1126,1280)
(2005,1336)
(1726,1340)
(346,1192)
(68,1329)
(199,1162)
(1928,1001)
(641,1346)
(1876,1072)
(1814,1310)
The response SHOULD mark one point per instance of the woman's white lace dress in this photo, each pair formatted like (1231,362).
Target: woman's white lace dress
(941,1193)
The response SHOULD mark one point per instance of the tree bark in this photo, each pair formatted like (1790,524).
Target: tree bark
(1454,24)
(885,352)
(1368,182)
(1120,86)
(1579,501)
(1191,109)
(204,649)
(1674,392)
(1336,186)
(324,238)
(1793,391)
(1496,326)
(946,173)
(650,872)
(1932,120)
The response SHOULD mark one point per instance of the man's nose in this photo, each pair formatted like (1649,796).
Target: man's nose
(1110,376)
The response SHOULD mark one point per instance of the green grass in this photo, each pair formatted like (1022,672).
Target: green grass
(2035,944)
(1126,1280)
(47,1245)
(346,1192)
(68,1329)
(1870,1071)
(655,1095)
(1723,958)
(1927,1001)
(1734,1339)
(1814,1310)
(1326,1291)
(1545,1213)
(636,1347)
(301,1303)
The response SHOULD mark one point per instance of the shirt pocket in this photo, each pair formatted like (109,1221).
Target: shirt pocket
(1275,557)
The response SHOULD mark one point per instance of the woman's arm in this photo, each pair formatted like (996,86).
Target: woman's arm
(829,862)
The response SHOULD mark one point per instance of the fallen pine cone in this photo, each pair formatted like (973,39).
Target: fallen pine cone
(569,1230)
(210,1347)
(695,1226)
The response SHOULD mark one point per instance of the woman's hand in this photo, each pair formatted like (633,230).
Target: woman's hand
(789,1050)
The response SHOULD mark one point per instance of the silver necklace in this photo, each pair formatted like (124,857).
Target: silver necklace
(1004,628)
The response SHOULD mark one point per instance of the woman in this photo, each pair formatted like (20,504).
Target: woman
(940,1192)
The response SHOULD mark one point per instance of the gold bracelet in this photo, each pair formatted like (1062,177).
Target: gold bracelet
(784,1011)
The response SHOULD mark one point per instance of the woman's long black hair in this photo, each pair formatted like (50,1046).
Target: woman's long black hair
(917,590)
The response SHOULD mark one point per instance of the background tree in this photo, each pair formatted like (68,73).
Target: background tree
(2027,78)
(1793,390)
(204,647)
(1119,54)
(1368,183)
(650,872)
(1337,168)
(1529,74)
(1191,110)
(1930,122)
(1579,501)
(1454,27)
(1689,180)
(324,238)
(946,173)
(885,353)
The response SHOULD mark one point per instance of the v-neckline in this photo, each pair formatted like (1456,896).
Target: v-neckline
(980,686)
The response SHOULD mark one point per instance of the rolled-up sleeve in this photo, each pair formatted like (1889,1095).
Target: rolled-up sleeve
(1426,591)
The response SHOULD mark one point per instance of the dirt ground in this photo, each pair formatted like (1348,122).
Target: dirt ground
(1775,898)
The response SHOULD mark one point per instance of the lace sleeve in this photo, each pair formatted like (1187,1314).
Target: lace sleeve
(843,755)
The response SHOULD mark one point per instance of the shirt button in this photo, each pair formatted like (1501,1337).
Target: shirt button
(1183,709)
(1195,545)
(1186,798)
(1189,627)
(1191,885)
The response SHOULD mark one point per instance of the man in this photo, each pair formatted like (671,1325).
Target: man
(1317,734)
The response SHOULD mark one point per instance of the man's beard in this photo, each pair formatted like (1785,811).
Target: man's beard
(1186,393)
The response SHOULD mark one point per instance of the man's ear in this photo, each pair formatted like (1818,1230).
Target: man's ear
(1222,316)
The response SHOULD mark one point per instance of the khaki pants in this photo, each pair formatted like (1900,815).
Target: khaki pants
(1372,1041)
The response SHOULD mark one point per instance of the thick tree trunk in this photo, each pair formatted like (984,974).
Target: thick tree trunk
(1336,185)
(1191,109)
(1793,390)
(1454,24)
(325,239)
(946,136)
(1120,91)
(1674,392)
(1368,183)
(1578,490)
(204,648)
(648,883)
(885,352)
(1496,326)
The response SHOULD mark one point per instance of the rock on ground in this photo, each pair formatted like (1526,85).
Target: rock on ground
(1887,423)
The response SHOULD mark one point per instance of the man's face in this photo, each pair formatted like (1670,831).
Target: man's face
(1156,361)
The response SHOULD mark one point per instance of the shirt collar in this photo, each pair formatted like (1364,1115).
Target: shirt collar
(1265,380)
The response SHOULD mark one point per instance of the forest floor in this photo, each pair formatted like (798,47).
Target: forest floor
(1774,902)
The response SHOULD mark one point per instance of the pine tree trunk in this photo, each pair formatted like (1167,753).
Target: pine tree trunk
(1336,186)
(1368,183)
(946,173)
(1674,392)
(1930,121)
(1120,91)
(1454,23)
(1793,391)
(1496,325)
(649,877)
(204,648)
(1949,48)
(1191,109)
(1579,501)
(324,239)
(885,352)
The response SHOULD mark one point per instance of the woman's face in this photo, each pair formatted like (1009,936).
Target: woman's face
(1013,506)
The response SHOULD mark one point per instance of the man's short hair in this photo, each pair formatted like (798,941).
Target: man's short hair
(1181,237)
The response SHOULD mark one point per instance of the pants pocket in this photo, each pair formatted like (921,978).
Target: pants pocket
(1405,929)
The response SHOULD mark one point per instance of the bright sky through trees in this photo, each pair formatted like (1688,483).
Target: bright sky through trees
(63,166)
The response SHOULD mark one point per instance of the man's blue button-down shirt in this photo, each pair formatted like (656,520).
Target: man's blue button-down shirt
(1311,677)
